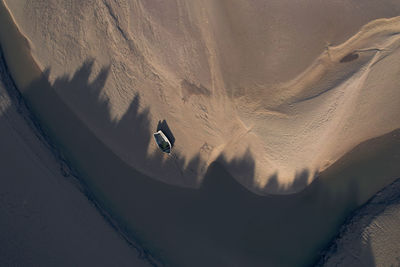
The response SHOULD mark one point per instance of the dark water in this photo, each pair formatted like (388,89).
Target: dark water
(221,223)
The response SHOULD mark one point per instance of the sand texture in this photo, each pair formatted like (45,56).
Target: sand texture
(264,86)
(263,95)
(45,219)
(371,237)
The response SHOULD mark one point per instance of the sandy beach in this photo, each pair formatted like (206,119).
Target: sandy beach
(279,113)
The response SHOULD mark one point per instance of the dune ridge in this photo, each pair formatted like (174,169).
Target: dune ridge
(189,64)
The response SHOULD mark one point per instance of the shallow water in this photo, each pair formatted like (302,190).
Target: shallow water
(221,223)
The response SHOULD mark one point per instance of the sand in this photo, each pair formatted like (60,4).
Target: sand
(116,71)
(371,236)
(46,220)
(263,82)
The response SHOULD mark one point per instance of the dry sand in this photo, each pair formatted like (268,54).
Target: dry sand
(269,83)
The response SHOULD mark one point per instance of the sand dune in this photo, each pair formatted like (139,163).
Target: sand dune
(118,70)
(273,83)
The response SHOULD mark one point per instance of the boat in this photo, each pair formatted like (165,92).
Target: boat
(162,141)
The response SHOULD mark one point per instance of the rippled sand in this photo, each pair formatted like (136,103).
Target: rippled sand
(278,93)
(265,87)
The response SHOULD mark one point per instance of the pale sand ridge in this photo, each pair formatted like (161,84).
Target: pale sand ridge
(233,80)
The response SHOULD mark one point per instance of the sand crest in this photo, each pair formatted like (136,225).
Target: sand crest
(269,91)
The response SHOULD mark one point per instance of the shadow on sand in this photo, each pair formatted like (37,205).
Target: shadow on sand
(220,223)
